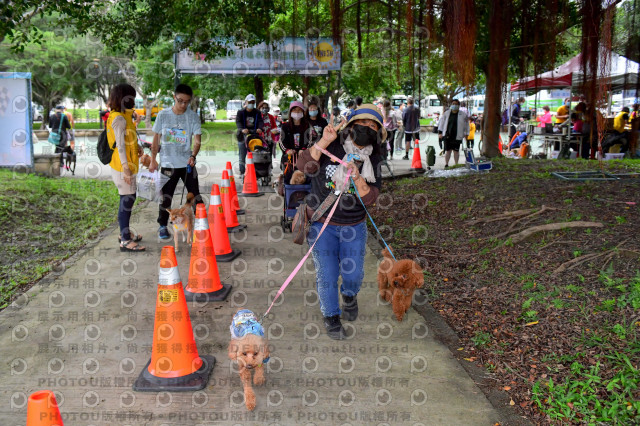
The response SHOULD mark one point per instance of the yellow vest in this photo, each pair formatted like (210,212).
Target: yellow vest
(130,139)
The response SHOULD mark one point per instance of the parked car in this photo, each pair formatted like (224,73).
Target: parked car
(209,110)
(232,108)
(36,111)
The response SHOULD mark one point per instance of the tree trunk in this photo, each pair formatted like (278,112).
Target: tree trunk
(305,90)
(496,72)
(258,86)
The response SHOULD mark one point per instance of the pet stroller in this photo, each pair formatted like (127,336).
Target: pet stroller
(293,196)
(262,153)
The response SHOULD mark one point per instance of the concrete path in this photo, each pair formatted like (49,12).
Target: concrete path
(85,332)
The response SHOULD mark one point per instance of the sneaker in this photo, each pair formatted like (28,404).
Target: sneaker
(441,153)
(163,233)
(406,157)
(446,166)
(334,327)
(349,308)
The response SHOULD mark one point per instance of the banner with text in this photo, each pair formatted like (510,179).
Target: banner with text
(16,147)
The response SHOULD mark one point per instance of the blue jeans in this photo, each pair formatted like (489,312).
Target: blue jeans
(339,252)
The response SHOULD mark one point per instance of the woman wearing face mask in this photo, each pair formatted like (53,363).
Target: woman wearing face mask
(292,135)
(341,248)
(316,123)
(271,130)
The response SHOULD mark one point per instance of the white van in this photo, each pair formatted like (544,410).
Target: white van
(232,108)
(429,106)
(397,100)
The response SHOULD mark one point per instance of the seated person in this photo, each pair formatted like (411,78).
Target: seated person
(545,117)
(621,120)
(519,140)
(577,123)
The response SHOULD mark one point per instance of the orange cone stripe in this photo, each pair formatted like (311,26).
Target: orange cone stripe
(250,160)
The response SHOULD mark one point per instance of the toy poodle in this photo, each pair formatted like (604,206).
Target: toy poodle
(397,280)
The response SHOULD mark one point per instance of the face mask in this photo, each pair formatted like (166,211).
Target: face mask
(264,110)
(313,113)
(455,107)
(296,115)
(249,107)
(363,135)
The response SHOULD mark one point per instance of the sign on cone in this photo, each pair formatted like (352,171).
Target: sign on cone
(250,186)
(218,229)
(416,162)
(175,364)
(229,208)
(234,192)
(204,278)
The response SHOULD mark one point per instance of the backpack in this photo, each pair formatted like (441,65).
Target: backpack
(105,152)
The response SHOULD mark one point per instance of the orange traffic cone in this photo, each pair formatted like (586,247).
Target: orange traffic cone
(416,162)
(42,409)
(175,364)
(218,229)
(234,192)
(204,279)
(250,186)
(227,204)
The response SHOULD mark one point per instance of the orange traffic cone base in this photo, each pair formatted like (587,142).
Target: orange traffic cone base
(229,256)
(240,212)
(257,194)
(235,229)
(147,382)
(213,296)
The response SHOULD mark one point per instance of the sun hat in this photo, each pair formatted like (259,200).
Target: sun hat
(294,104)
(371,112)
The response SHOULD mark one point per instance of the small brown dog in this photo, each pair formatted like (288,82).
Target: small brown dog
(397,280)
(182,220)
(298,178)
(250,349)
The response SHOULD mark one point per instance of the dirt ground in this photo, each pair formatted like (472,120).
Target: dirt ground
(553,316)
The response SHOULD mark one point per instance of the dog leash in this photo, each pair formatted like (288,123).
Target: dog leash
(334,158)
(324,225)
(306,256)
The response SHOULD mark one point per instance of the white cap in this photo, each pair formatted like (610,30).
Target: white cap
(250,98)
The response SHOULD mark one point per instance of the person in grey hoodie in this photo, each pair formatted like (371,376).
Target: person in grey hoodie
(453,128)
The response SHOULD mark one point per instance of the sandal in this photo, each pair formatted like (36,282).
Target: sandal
(135,238)
(127,246)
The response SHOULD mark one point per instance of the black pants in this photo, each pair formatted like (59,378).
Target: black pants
(391,135)
(190,181)
(470,143)
(242,155)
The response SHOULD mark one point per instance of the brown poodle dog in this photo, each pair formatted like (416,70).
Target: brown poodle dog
(397,280)
(250,349)
(298,178)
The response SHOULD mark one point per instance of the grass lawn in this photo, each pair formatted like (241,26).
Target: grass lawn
(44,221)
(550,310)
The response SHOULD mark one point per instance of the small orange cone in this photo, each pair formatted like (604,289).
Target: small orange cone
(234,192)
(42,409)
(227,204)
(416,162)
(250,186)
(218,229)
(204,279)
(175,364)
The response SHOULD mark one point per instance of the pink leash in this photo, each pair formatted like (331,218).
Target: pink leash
(324,226)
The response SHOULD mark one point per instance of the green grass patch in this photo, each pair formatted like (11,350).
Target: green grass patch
(44,221)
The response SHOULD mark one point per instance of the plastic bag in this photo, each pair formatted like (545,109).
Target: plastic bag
(149,185)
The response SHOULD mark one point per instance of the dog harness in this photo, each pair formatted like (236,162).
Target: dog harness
(246,322)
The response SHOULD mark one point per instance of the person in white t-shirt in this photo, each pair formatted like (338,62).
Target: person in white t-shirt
(173,132)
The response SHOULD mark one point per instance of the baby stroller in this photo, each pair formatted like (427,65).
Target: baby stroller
(293,194)
(261,151)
